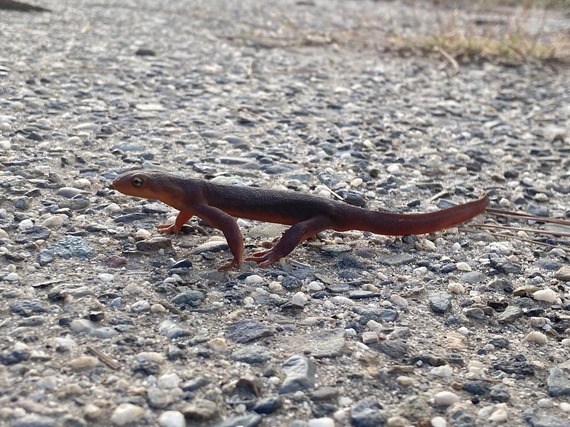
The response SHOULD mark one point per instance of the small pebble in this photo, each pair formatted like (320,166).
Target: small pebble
(445,398)
(405,381)
(321,422)
(92,412)
(219,345)
(536,337)
(253,279)
(546,295)
(299,299)
(84,362)
(443,371)
(463,266)
(127,413)
(438,422)
(172,419)
(369,337)
(171,380)
(456,288)
(342,300)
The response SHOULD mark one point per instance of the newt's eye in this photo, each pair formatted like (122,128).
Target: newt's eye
(138,181)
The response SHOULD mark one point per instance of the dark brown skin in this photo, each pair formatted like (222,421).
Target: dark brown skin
(219,205)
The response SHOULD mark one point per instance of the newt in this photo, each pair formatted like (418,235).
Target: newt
(219,205)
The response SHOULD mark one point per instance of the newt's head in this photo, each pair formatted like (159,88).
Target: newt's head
(149,185)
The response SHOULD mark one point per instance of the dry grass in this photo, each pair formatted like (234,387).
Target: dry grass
(499,30)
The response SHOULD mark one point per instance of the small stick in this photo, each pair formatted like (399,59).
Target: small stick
(520,215)
(104,358)
(522,239)
(450,58)
(527,230)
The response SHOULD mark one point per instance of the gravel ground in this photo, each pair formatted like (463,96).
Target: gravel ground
(104,322)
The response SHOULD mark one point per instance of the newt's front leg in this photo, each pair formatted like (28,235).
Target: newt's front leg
(181,219)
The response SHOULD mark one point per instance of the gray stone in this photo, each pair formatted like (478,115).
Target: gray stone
(300,372)
(249,420)
(440,302)
(244,331)
(252,354)
(558,381)
(368,412)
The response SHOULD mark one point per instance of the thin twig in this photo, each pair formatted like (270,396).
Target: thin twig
(104,358)
(521,215)
(522,239)
(527,230)
(449,58)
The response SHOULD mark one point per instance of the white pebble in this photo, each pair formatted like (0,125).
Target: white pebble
(299,299)
(150,356)
(12,277)
(405,381)
(253,279)
(126,413)
(157,309)
(25,224)
(536,337)
(248,302)
(315,286)
(219,345)
(504,203)
(106,277)
(350,332)
(275,287)
(82,183)
(369,337)
(172,419)
(539,322)
(168,380)
(464,330)
(92,411)
(429,245)
(142,234)
(499,415)
(398,301)
(455,247)
(544,403)
(140,306)
(356,182)
(547,295)
(342,300)
(394,169)
(84,362)
(456,288)
(420,271)
(374,325)
(438,422)
(463,266)
(445,398)
(564,406)
(444,371)
(53,221)
(321,422)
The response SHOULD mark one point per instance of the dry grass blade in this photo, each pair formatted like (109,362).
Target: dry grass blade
(521,215)
(104,358)
(522,239)
(526,230)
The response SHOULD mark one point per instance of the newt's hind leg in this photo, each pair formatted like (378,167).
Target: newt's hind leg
(291,238)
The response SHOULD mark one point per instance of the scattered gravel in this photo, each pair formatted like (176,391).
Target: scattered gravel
(105,322)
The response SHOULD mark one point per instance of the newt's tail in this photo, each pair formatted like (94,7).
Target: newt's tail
(401,224)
